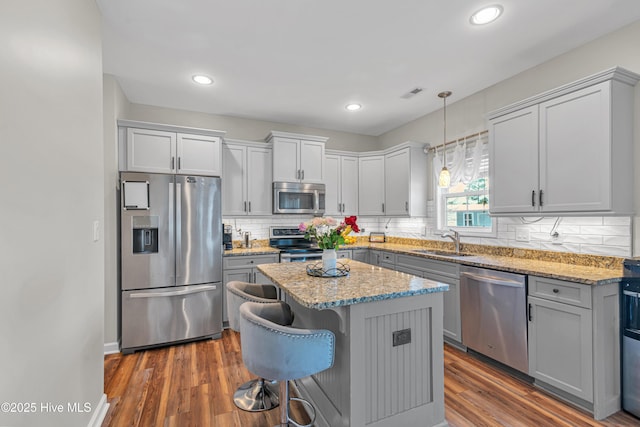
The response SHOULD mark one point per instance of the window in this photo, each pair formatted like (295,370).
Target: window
(464,206)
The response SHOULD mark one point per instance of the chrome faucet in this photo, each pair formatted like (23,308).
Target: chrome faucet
(455,236)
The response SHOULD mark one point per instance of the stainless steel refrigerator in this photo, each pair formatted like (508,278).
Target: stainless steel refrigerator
(170,259)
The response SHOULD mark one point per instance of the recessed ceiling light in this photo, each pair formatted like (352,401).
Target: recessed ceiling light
(202,79)
(353,107)
(486,15)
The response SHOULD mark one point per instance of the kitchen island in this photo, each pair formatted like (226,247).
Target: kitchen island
(388,368)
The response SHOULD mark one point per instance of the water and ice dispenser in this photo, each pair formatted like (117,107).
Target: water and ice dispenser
(145,234)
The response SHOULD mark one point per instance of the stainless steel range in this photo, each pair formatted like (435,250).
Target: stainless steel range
(292,244)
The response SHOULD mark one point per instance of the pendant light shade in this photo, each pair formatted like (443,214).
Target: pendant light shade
(444,180)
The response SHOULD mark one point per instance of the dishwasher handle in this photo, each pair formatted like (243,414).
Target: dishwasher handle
(493,280)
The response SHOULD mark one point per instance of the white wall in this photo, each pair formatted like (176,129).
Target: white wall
(466,116)
(115,107)
(249,130)
(51,174)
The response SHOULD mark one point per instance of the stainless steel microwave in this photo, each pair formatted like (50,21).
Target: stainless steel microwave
(298,198)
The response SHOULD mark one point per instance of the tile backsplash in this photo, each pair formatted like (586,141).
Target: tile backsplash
(609,236)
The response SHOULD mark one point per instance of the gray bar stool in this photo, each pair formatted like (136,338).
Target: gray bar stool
(280,352)
(255,395)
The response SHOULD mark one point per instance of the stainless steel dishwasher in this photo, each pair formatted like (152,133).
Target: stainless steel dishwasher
(493,307)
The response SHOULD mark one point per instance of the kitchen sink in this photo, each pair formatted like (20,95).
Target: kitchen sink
(440,253)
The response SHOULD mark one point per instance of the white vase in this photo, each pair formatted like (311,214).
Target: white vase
(329,257)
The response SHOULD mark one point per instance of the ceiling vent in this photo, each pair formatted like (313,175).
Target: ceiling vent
(412,93)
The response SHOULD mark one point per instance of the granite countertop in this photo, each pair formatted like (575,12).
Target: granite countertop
(588,275)
(256,250)
(584,269)
(365,283)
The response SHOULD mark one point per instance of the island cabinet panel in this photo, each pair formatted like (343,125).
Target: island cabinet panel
(391,388)
(373,382)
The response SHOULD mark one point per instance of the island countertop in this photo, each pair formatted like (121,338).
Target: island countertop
(365,283)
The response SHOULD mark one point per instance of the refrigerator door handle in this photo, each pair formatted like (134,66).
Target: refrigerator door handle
(178,230)
(191,290)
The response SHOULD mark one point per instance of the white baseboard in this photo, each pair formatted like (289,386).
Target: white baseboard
(99,412)
(111,347)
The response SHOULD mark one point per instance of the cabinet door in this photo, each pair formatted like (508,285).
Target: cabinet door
(199,155)
(575,151)
(259,178)
(261,278)
(361,255)
(242,275)
(349,185)
(560,346)
(397,173)
(311,161)
(285,160)
(513,144)
(151,151)
(233,180)
(452,326)
(333,199)
(371,185)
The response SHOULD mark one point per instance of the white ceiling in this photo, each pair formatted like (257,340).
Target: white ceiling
(301,61)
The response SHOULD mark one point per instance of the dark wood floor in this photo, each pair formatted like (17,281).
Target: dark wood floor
(192,385)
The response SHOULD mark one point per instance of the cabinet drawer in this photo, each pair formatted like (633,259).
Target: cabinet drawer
(445,268)
(248,261)
(388,258)
(561,291)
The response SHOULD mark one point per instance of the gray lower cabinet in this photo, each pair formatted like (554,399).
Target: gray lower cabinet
(382,259)
(361,255)
(243,268)
(443,272)
(344,253)
(574,347)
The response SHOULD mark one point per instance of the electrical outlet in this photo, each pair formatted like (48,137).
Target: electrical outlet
(401,337)
(96,231)
(522,234)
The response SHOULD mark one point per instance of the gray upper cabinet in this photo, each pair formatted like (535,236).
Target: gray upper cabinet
(297,158)
(156,148)
(394,182)
(341,181)
(246,178)
(566,151)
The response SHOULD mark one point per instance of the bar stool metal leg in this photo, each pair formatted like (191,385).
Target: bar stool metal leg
(256,395)
(285,419)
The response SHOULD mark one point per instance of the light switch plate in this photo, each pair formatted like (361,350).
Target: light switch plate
(96,231)
(522,234)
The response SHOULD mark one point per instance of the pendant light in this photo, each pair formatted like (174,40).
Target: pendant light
(444,180)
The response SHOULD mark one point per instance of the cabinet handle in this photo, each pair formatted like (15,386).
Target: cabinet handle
(530,315)
(343,208)
(249,206)
(533,197)
(555,291)
(339,207)
(245,206)
(179,162)
(540,198)
(173,163)
(303,174)
(406,206)
(383,207)
(254,277)
(298,174)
